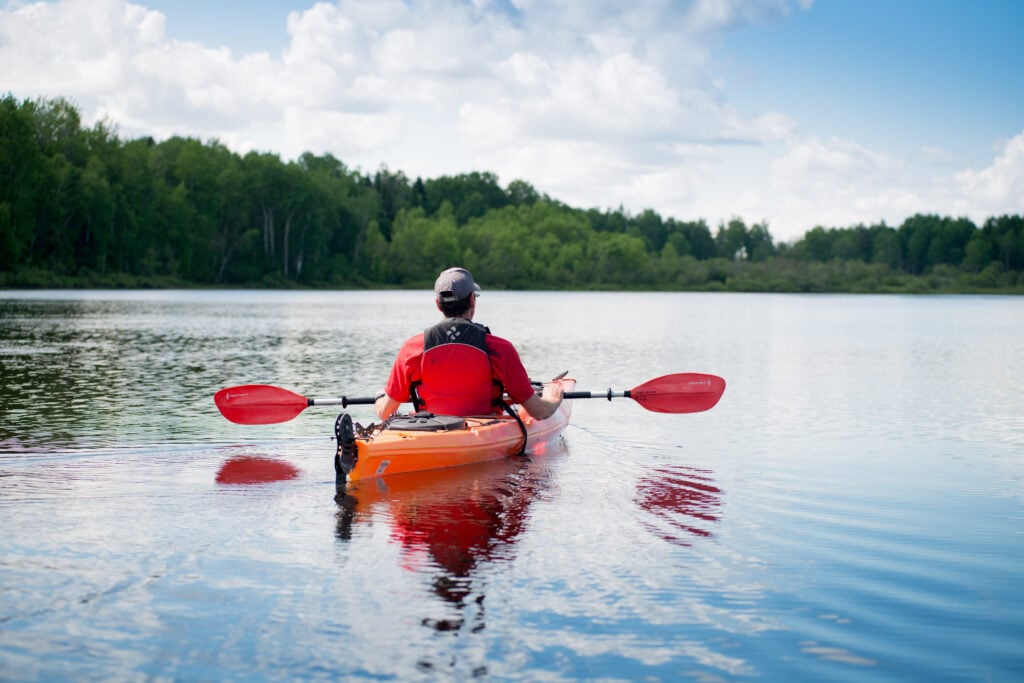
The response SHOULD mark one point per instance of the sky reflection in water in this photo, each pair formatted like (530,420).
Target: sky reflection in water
(850,509)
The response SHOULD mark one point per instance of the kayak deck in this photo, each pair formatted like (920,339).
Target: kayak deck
(395,451)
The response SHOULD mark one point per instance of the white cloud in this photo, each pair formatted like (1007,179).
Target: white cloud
(839,183)
(347,133)
(595,103)
(998,188)
(374,56)
(75,48)
(772,127)
(831,167)
(717,15)
(935,155)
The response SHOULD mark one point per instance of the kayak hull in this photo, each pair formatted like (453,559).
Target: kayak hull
(392,452)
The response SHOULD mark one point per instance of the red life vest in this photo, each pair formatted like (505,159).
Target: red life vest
(456,370)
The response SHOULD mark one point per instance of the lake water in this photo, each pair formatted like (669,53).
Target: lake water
(852,509)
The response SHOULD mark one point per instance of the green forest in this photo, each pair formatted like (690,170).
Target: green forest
(82,207)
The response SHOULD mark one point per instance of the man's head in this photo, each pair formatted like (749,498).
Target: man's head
(455,290)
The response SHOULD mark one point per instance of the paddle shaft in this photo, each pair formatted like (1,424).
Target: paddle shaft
(345,401)
(597,394)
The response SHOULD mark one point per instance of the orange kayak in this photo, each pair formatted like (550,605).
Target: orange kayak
(405,446)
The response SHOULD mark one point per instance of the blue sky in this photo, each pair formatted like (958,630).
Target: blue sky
(794,112)
(891,72)
(242,26)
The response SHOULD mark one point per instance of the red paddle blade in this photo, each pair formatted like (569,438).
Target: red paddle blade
(684,392)
(259,404)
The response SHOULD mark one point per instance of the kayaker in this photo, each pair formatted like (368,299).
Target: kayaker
(457,367)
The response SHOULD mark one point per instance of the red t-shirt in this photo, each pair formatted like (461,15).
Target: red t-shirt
(506,367)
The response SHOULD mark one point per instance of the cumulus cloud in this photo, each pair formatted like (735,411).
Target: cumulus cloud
(74,48)
(829,166)
(999,188)
(597,103)
(632,74)
(839,183)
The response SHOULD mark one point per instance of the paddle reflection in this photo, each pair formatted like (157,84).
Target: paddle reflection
(249,469)
(450,524)
(683,501)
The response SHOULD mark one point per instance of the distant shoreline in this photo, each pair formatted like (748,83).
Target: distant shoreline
(896,283)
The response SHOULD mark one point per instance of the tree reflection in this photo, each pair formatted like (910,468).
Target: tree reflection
(683,500)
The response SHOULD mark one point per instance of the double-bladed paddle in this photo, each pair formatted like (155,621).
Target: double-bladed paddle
(685,392)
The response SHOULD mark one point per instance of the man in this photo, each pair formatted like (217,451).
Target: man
(457,367)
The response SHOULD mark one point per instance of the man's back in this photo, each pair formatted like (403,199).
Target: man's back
(456,375)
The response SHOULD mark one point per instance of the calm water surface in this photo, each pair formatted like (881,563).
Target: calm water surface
(853,509)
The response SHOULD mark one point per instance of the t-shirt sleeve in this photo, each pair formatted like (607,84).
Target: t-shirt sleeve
(405,370)
(509,369)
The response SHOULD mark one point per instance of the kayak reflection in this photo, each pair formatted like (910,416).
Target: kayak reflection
(249,469)
(683,502)
(450,523)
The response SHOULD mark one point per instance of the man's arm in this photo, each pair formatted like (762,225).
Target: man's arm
(404,371)
(544,406)
(511,373)
(386,406)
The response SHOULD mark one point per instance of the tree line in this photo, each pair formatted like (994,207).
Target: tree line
(79,206)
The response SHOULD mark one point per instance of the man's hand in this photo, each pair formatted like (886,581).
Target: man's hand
(545,405)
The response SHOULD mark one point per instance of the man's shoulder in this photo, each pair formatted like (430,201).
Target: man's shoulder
(413,344)
(500,344)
